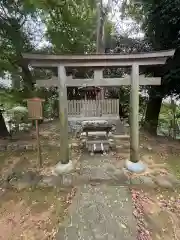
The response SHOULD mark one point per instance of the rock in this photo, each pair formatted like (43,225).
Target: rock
(172,178)
(162,181)
(19,185)
(109,167)
(147,181)
(68,180)
(118,172)
(120,176)
(135,181)
(64,180)
(51,181)
(21,181)
(31,177)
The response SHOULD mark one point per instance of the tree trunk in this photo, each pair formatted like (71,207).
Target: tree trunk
(100,28)
(152,113)
(3,129)
(27,77)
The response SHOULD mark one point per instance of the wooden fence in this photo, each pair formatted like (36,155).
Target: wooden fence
(93,108)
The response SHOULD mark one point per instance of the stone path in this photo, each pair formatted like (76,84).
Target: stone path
(100,209)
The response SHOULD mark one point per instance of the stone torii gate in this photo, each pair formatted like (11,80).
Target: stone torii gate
(98,62)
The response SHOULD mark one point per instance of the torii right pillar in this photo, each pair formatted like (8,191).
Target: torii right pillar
(134,164)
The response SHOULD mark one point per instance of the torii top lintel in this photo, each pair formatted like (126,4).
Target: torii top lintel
(98,60)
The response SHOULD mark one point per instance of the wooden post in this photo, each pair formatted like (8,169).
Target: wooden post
(173,108)
(38,144)
(134,114)
(98,76)
(64,146)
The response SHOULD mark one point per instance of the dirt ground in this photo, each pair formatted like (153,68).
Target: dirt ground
(32,214)
(35,213)
(157,210)
(162,208)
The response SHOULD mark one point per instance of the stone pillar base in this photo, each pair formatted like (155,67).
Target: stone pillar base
(63,168)
(137,167)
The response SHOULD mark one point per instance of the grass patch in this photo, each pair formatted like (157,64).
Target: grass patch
(174,165)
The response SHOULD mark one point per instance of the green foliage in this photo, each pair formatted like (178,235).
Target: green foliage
(160,22)
(10,98)
(15,38)
(19,114)
(71,25)
(51,104)
(169,119)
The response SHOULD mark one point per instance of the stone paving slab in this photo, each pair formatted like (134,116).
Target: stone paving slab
(100,212)
(101,168)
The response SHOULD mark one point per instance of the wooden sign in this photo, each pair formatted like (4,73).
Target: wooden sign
(35,108)
(35,112)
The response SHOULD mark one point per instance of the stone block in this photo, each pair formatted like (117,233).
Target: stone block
(162,181)
(135,181)
(120,176)
(172,178)
(68,180)
(50,181)
(148,181)
(63,168)
(24,180)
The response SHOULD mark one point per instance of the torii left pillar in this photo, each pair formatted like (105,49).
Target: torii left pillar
(63,115)
(134,165)
(134,114)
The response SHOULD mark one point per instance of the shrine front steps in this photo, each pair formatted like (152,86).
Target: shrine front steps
(110,135)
